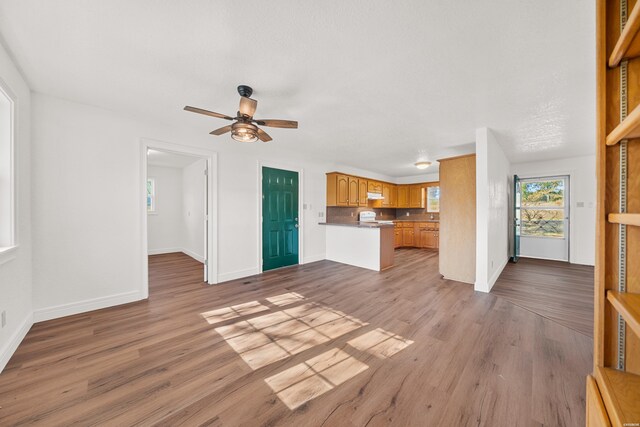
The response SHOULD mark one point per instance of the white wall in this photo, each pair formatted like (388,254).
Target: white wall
(193,208)
(16,265)
(492,210)
(87,214)
(165,225)
(582,175)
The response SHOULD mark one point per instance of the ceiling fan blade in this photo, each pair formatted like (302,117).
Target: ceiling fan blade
(207,113)
(248,106)
(221,131)
(290,124)
(264,137)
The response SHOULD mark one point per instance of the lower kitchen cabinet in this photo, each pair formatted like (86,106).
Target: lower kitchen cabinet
(417,235)
(397,242)
(428,238)
(408,237)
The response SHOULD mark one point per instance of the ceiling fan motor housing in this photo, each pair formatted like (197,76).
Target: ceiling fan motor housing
(245,91)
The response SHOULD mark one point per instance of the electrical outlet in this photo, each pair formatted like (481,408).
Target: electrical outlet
(320,214)
(407,213)
(4,318)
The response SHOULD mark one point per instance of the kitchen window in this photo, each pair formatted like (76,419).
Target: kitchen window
(433,199)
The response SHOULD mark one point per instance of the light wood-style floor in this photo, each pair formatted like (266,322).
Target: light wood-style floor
(557,290)
(322,344)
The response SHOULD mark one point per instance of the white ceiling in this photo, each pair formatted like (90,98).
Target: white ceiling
(374,84)
(171,160)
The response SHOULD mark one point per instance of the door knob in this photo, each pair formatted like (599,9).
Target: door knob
(296,226)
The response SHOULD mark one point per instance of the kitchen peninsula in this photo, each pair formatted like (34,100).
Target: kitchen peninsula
(362,244)
(368,219)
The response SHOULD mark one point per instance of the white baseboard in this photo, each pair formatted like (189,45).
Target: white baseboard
(163,251)
(48,313)
(481,287)
(193,255)
(314,258)
(494,278)
(10,347)
(225,277)
(540,257)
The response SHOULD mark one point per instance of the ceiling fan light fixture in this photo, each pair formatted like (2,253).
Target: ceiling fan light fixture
(244,132)
(422,165)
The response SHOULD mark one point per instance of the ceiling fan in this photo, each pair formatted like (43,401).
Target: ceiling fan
(244,129)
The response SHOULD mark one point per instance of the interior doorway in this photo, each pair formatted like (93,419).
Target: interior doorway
(179,200)
(541,218)
(177,205)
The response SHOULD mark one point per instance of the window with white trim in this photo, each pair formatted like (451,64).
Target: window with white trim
(151,195)
(7,189)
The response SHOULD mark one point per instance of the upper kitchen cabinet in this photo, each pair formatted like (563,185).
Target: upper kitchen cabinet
(389,192)
(353,199)
(374,187)
(337,189)
(416,196)
(403,196)
(351,191)
(362,192)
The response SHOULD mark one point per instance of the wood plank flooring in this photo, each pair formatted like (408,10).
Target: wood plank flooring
(557,290)
(322,344)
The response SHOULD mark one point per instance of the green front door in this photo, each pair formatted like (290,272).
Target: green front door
(279,218)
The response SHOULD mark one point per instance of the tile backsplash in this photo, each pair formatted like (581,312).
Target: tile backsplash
(340,214)
(417,214)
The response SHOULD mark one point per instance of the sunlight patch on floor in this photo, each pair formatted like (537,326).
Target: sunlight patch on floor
(266,339)
(226,313)
(285,299)
(380,343)
(308,380)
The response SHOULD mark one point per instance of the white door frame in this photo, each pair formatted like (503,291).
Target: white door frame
(212,207)
(553,174)
(291,168)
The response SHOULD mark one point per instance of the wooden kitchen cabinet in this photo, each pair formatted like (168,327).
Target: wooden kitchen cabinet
(408,237)
(352,199)
(362,192)
(374,187)
(337,189)
(389,192)
(351,191)
(416,196)
(403,196)
(397,241)
(428,238)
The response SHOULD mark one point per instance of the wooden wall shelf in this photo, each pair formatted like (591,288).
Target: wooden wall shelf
(628,305)
(625,218)
(631,28)
(621,393)
(629,128)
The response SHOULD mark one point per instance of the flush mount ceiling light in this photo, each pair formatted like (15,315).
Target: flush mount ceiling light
(423,165)
(244,128)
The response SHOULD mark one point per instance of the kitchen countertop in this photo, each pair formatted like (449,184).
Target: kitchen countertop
(415,220)
(358,224)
